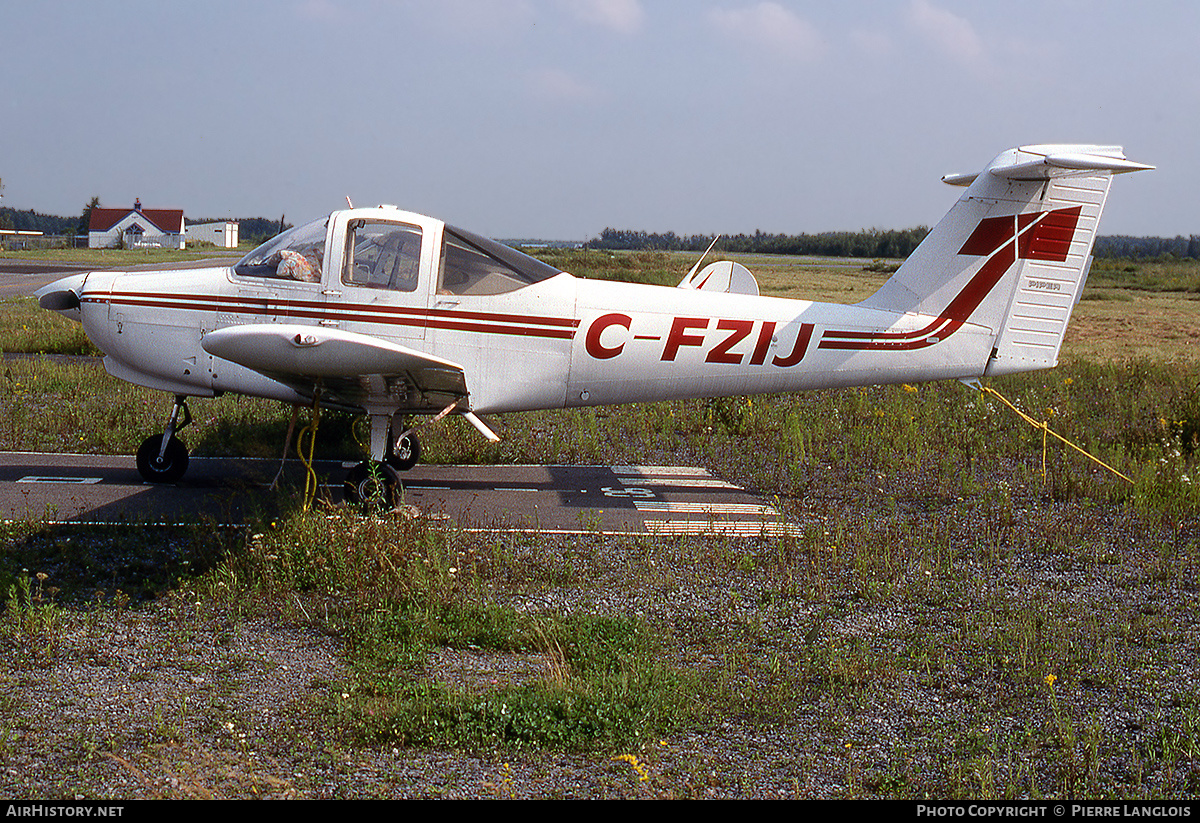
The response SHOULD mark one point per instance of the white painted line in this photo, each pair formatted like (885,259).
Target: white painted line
(742,528)
(652,471)
(82,481)
(710,509)
(509,489)
(123,524)
(685,483)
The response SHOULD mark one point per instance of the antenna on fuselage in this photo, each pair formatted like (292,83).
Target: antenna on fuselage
(696,267)
(348,203)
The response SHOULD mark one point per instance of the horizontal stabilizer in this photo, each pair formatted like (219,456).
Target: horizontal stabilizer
(1048,162)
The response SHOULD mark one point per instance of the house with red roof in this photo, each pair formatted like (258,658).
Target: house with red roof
(136,228)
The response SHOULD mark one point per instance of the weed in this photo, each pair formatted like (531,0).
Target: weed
(409,590)
(31,619)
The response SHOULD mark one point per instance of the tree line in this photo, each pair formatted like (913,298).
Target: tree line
(253,230)
(1141,248)
(31,220)
(869,243)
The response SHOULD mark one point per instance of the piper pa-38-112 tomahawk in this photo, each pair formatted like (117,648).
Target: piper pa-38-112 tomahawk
(394,314)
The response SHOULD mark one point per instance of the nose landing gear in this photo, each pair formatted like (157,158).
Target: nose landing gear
(163,458)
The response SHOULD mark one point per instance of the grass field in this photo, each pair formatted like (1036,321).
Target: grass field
(120,258)
(949,621)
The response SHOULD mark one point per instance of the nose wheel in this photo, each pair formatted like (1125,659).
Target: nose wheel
(162,465)
(163,458)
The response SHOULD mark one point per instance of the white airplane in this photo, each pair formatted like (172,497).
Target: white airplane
(395,314)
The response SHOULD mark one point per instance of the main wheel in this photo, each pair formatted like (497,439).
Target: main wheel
(372,485)
(405,454)
(170,467)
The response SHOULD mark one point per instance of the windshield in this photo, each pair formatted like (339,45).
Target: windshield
(476,265)
(296,254)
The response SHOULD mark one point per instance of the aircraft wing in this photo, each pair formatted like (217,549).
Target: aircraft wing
(355,369)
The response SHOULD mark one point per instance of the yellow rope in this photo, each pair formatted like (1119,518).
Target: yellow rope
(356,432)
(1045,429)
(306,455)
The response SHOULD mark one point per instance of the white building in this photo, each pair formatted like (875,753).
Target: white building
(136,228)
(222,234)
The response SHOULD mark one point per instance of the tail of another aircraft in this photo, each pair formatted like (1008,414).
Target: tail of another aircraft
(1013,253)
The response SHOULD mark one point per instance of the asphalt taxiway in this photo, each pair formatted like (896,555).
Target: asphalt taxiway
(552,499)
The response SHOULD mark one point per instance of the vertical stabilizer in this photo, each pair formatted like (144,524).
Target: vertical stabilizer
(1013,253)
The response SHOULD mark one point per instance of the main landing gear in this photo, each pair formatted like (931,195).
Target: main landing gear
(375,484)
(163,458)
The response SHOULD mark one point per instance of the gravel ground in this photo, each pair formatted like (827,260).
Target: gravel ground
(830,678)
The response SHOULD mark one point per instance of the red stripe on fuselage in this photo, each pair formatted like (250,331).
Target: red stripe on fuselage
(510,324)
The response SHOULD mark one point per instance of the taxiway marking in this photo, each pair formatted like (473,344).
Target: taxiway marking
(37,478)
(741,528)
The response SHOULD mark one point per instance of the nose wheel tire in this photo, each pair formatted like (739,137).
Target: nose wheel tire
(167,469)
(372,485)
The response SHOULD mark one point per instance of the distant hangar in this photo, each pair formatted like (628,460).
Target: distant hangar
(223,233)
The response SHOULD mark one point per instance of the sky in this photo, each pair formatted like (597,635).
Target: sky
(555,119)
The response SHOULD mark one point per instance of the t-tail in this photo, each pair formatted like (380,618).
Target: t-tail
(1013,254)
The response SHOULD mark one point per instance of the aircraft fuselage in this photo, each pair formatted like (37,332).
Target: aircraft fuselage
(584,343)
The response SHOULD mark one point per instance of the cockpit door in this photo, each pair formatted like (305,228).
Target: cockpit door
(381,275)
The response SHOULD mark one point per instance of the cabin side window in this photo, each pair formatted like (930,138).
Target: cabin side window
(382,255)
(475,265)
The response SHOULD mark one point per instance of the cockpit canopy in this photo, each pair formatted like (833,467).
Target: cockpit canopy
(468,263)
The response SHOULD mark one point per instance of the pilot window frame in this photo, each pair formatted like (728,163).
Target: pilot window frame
(395,264)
